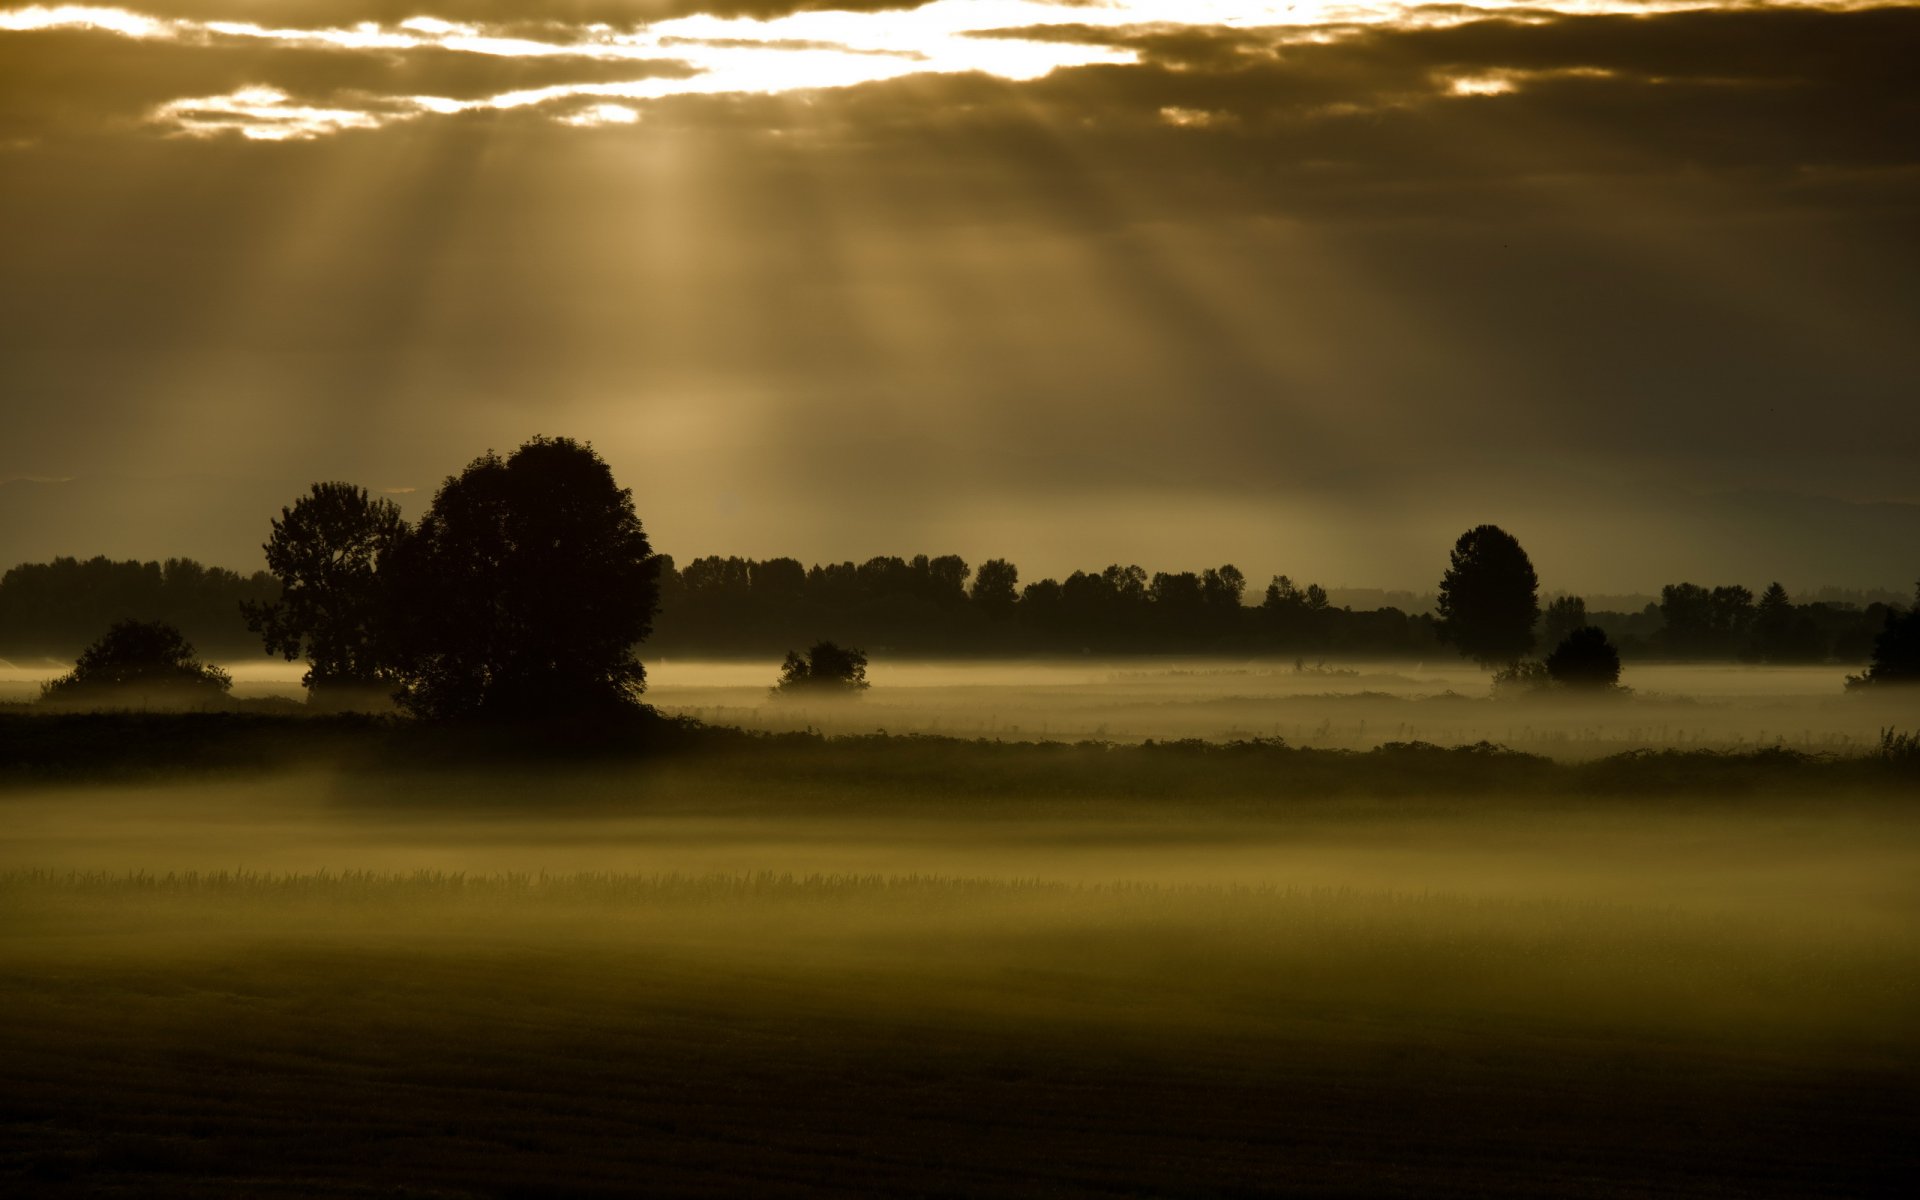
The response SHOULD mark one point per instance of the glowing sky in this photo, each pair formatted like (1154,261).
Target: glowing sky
(1301,285)
(707,54)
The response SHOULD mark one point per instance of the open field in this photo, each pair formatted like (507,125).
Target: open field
(671,979)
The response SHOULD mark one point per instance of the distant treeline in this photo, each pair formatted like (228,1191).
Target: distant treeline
(55,609)
(941,606)
(936,606)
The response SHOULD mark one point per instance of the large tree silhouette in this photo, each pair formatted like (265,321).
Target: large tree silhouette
(525,589)
(1489,597)
(327,550)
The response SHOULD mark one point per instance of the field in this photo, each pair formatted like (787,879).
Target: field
(947,968)
(1347,705)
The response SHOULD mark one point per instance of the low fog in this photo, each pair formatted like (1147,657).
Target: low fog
(1332,705)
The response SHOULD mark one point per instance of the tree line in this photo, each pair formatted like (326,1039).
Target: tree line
(928,605)
(529,583)
(941,606)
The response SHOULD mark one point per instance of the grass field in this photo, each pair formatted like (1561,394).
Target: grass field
(669,980)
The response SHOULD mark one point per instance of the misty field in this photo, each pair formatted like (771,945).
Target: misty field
(673,979)
(1348,704)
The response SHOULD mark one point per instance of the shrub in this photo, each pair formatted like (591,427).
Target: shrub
(825,670)
(1585,659)
(139,664)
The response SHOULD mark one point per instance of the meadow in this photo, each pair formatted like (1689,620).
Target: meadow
(936,967)
(1149,928)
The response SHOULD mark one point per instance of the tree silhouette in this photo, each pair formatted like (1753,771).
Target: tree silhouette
(825,670)
(524,589)
(140,663)
(995,587)
(1563,616)
(1585,659)
(327,550)
(1896,651)
(1489,597)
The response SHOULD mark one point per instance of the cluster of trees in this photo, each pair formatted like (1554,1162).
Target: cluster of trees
(54,609)
(528,585)
(1489,604)
(941,605)
(522,593)
(1728,622)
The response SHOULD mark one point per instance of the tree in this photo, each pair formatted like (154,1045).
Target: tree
(1896,651)
(1489,597)
(825,670)
(1585,659)
(1563,616)
(994,587)
(1782,632)
(1703,622)
(140,664)
(327,551)
(524,590)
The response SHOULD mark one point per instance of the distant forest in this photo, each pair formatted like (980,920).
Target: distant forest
(940,606)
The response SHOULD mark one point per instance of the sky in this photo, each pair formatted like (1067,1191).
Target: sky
(1306,287)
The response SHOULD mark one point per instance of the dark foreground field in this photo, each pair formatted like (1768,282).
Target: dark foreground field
(413,1037)
(990,982)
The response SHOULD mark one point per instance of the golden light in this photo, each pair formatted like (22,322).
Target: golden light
(795,52)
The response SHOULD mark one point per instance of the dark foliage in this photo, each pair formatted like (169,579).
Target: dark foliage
(825,670)
(139,664)
(523,591)
(53,609)
(1896,651)
(1562,617)
(1585,659)
(1489,597)
(326,551)
(734,606)
(1705,623)
(894,772)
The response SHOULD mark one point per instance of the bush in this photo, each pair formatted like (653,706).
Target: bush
(1585,659)
(825,670)
(139,664)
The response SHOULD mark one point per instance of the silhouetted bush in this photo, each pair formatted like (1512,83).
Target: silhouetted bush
(1896,651)
(825,670)
(1585,659)
(139,664)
